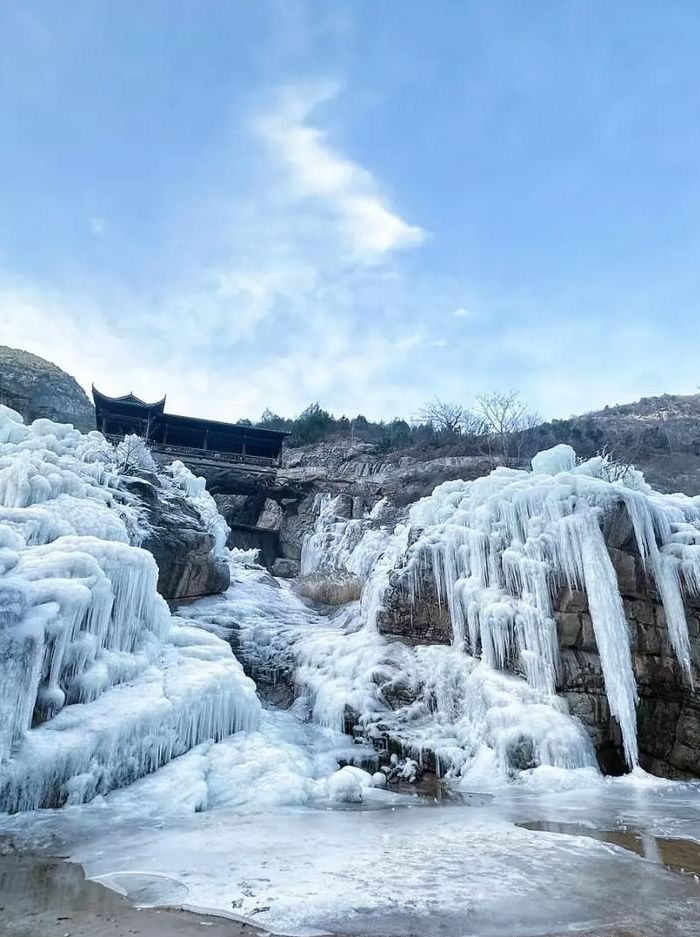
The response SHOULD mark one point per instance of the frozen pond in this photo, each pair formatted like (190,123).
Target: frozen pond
(268,848)
(252,827)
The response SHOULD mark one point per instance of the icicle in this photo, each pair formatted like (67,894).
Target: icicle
(499,548)
(81,622)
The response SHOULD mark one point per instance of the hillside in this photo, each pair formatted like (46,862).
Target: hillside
(36,388)
(660,435)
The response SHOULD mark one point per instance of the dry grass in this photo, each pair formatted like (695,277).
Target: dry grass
(329,591)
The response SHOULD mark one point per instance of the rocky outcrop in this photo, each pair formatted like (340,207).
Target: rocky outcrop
(360,472)
(668,714)
(285,569)
(37,388)
(179,541)
(425,621)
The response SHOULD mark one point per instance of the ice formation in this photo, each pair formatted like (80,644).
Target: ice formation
(498,550)
(341,545)
(98,684)
(437,703)
(501,547)
(195,489)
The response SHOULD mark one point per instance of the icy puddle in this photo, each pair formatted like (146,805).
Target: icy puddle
(677,854)
(265,848)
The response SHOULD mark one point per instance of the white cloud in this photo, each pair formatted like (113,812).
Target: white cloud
(281,291)
(318,171)
(285,286)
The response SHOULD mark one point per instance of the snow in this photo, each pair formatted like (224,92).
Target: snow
(99,685)
(178,786)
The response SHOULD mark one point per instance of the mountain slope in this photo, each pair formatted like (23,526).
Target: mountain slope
(36,388)
(660,435)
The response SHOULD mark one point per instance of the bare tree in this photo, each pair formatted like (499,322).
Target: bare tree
(507,425)
(674,432)
(449,418)
(527,438)
(622,450)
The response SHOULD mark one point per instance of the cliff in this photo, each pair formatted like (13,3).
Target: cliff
(36,388)
(668,712)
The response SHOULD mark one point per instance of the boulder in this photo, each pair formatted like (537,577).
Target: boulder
(187,568)
(425,621)
(180,543)
(285,568)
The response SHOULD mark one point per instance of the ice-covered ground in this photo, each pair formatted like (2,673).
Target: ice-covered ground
(244,827)
(261,825)
(243,809)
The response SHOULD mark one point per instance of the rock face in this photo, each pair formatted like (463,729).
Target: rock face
(359,472)
(183,548)
(36,388)
(285,569)
(668,714)
(425,622)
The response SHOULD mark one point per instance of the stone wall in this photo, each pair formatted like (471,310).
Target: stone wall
(668,715)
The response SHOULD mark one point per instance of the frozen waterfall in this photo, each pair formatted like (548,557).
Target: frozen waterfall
(98,684)
(498,551)
(500,548)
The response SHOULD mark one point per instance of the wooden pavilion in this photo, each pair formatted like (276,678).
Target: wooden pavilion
(180,436)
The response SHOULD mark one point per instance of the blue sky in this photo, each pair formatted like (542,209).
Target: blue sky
(250,204)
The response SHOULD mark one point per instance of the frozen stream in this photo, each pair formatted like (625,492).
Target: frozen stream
(251,827)
(396,864)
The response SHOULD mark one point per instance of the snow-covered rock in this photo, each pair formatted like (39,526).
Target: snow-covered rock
(479,566)
(98,684)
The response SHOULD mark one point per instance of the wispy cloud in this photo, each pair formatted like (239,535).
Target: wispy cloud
(279,297)
(316,170)
(291,282)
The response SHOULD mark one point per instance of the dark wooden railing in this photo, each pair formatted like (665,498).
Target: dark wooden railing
(191,452)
